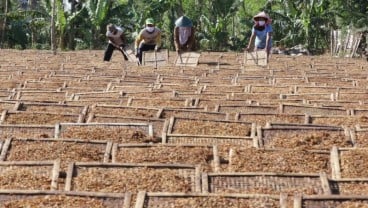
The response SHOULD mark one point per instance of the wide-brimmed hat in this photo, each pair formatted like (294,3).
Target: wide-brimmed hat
(183,21)
(150,21)
(263,15)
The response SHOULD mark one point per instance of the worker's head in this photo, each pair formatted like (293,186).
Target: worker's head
(111,27)
(150,24)
(261,19)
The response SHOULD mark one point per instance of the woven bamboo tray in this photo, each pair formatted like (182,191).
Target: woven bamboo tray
(331,201)
(301,89)
(27,131)
(204,155)
(297,80)
(352,96)
(360,136)
(85,84)
(265,183)
(287,160)
(248,109)
(67,150)
(52,96)
(349,163)
(51,107)
(194,114)
(187,59)
(210,128)
(132,87)
(307,136)
(29,175)
(337,120)
(200,133)
(268,89)
(181,200)
(360,112)
(102,101)
(158,102)
(7,105)
(262,119)
(180,87)
(312,110)
(38,118)
(208,95)
(355,89)
(157,124)
(123,177)
(142,112)
(223,88)
(167,94)
(40,198)
(46,85)
(345,104)
(8,82)
(116,132)
(253,96)
(159,58)
(329,81)
(6,95)
(96,95)
(349,186)
(309,96)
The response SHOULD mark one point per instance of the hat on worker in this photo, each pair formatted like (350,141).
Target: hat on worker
(183,21)
(150,21)
(262,15)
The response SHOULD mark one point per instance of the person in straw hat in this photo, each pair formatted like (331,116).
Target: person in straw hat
(183,34)
(148,38)
(261,33)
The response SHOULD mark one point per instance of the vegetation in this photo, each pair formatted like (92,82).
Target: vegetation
(221,24)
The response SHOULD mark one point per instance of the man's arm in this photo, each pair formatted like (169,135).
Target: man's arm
(176,39)
(191,38)
(251,42)
(158,41)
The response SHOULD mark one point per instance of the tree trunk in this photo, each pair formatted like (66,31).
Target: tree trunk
(53,38)
(3,25)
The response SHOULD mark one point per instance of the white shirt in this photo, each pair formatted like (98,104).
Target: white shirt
(115,37)
(184,34)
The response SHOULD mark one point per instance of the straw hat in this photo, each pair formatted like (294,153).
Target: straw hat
(262,15)
(183,21)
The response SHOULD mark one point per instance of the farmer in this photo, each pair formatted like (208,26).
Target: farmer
(183,34)
(116,38)
(148,38)
(261,33)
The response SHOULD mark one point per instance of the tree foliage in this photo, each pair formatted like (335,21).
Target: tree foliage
(220,24)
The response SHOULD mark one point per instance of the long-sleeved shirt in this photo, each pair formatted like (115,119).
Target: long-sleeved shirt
(153,38)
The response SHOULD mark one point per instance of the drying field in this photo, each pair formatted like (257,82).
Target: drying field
(79,132)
